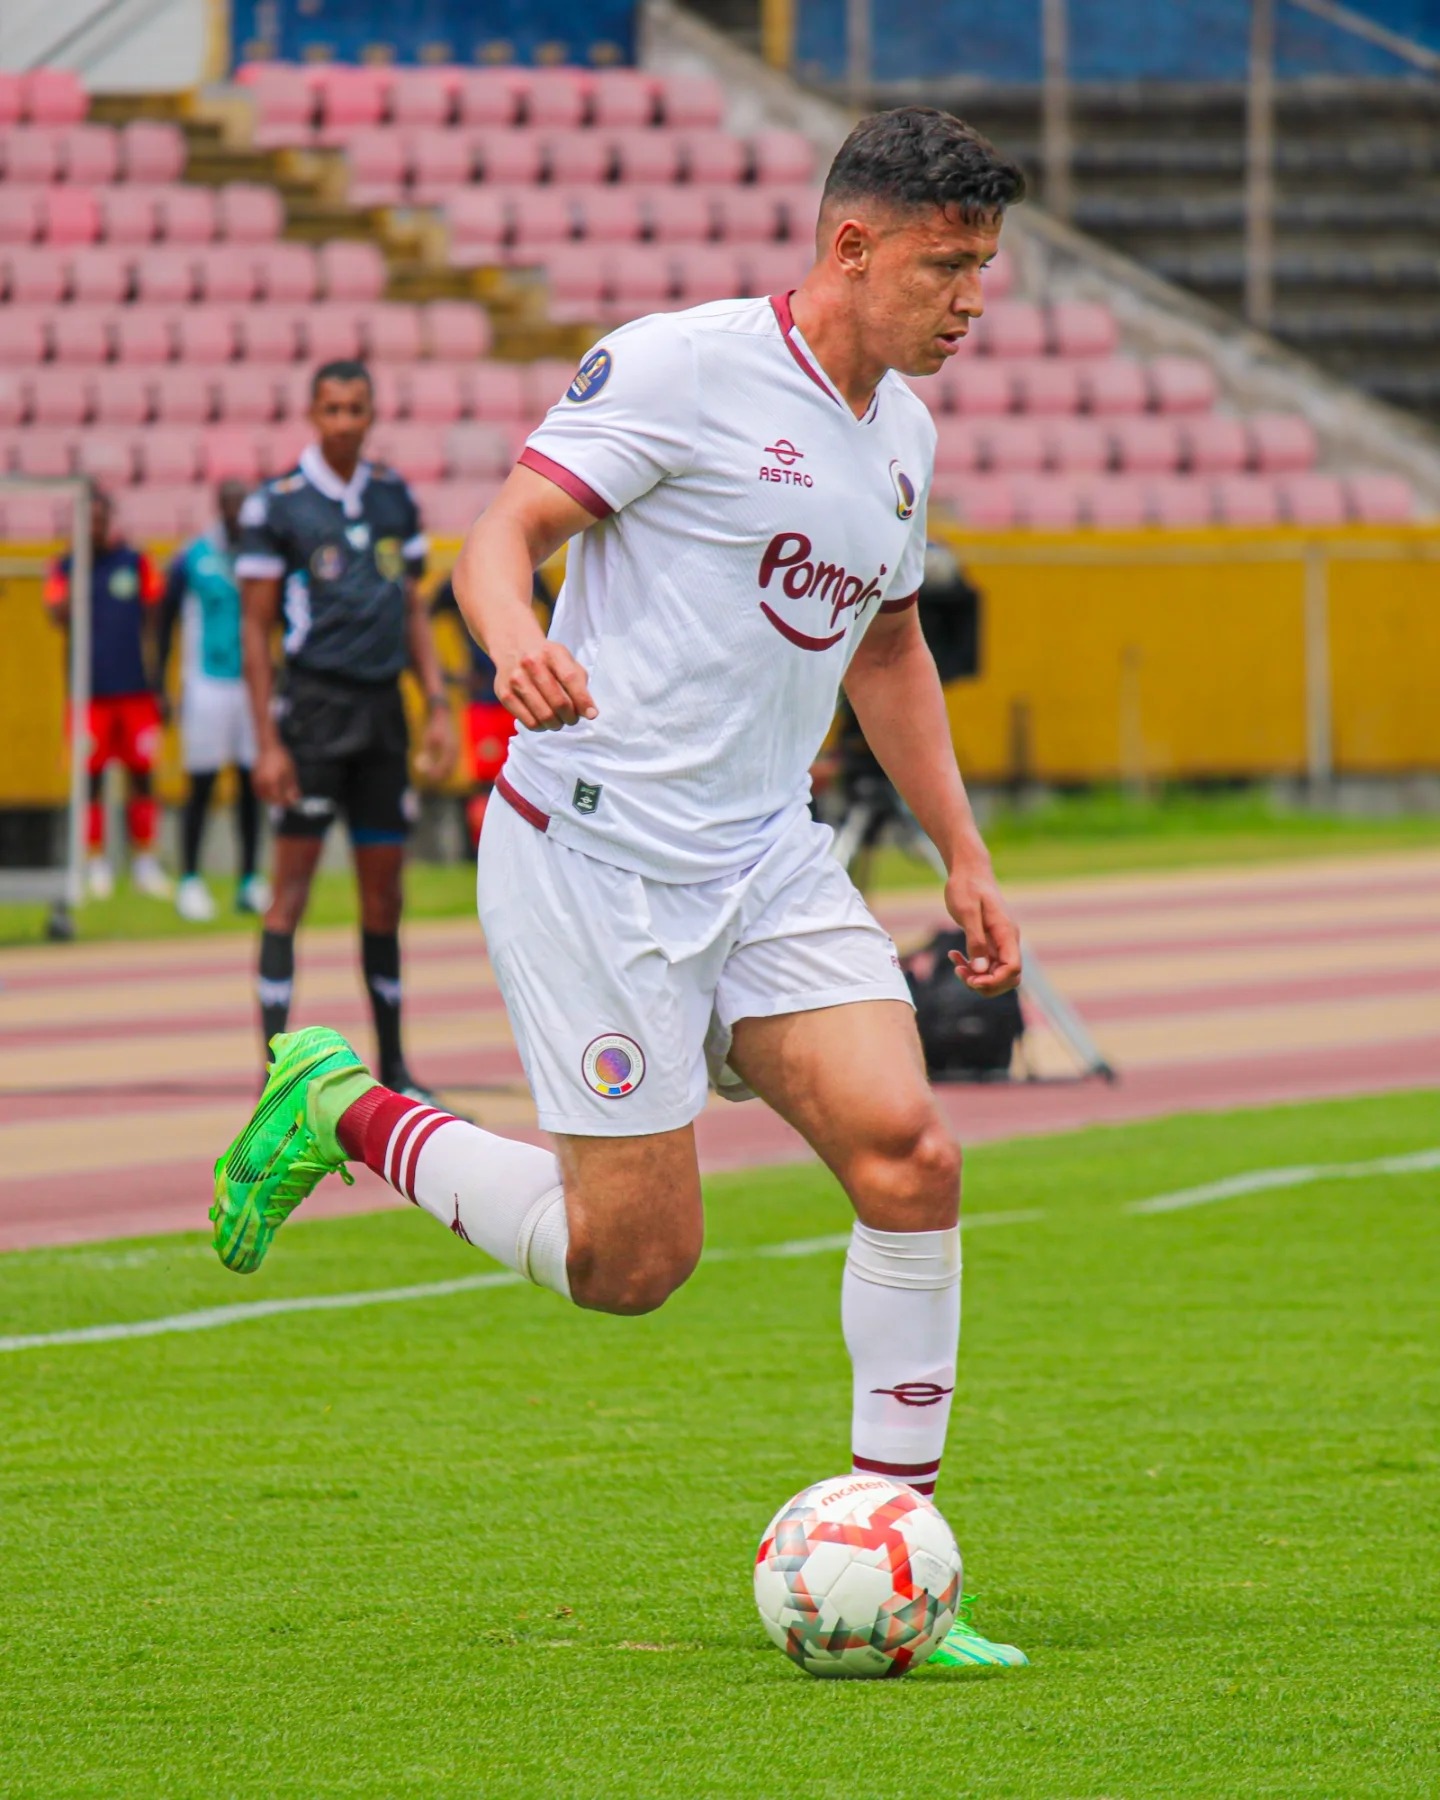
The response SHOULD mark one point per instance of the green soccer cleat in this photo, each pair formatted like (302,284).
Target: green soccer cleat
(278,1158)
(962,1646)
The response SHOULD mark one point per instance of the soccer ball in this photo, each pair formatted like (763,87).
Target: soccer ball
(857,1576)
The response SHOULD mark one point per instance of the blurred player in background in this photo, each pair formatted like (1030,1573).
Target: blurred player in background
(202,597)
(124,721)
(332,552)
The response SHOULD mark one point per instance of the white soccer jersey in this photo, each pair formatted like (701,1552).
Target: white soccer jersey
(752,528)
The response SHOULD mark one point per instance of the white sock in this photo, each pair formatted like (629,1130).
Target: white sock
(900,1309)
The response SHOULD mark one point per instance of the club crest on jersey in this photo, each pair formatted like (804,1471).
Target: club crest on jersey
(328,563)
(613,1065)
(803,575)
(590,377)
(904,491)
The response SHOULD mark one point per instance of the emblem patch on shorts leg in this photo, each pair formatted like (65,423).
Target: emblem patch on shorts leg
(586,796)
(613,1065)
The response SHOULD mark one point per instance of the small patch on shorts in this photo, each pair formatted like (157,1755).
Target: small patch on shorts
(586,796)
(613,1065)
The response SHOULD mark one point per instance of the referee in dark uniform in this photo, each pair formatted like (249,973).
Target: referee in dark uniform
(332,552)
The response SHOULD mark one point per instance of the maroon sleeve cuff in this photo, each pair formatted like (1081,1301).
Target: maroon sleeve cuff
(902,605)
(571,484)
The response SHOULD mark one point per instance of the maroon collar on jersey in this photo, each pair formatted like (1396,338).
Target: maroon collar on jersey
(789,331)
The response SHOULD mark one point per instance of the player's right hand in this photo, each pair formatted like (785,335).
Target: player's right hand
(545,689)
(274,777)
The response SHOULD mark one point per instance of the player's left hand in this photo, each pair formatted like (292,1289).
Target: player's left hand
(438,747)
(991,964)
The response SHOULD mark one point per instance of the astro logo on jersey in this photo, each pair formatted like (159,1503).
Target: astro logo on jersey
(613,1065)
(590,377)
(904,491)
(803,576)
(781,467)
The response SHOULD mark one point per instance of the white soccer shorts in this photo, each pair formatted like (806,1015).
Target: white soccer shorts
(623,992)
(216,729)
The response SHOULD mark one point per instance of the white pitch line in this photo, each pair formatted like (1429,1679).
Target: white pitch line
(1259,1181)
(211,1318)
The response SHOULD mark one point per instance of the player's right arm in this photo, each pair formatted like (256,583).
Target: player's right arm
(536,678)
(260,567)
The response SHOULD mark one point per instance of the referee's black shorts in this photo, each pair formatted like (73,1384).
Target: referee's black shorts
(351,749)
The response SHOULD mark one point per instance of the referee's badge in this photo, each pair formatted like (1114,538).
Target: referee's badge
(389,558)
(328,563)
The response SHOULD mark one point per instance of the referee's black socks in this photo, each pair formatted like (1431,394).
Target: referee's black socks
(380,959)
(276,984)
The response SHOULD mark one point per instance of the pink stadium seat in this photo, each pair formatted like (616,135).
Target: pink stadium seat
(29,518)
(33,155)
(1115,502)
(152,150)
(14,399)
(45,452)
(1081,328)
(417,451)
(82,334)
(59,396)
(19,215)
(713,156)
(269,334)
(184,395)
(423,97)
(1246,500)
(224,276)
(286,271)
(489,96)
(351,99)
(188,215)
(575,275)
(611,215)
(782,156)
(35,277)
(1312,499)
(623,97)
(285,101)
(440,161)
(1049,502)
(747,215)
(433,395)
(957,446)
(456,329)
(245,395)
(478,449)
(388,392)
(986,502)
(479,221)
(10,97)
(122,396)
(53,97)
(543,216)
(352,270)
(647,158)
(143,335)
(773,268)
(153,514)
(377,162)
(292,389)
(90,153)
(249,213)
(498,390)
(578,156)
(556,97)
(932,394)
(1146,446)
(1380,499)
(508,158)
(801,209)
(450,508)
(1180,501)
(391,332)
(229,453)
(1046,384)
(1216,445)
(1012,445)
(687,100)
(1282,443)
(1182,384)
(980,389)
(707,272)
(331,332)
(1012,328)
(128,216)
(676,215)
(1081,446)
(72,216)
(1114,385)
(546,379)
(165,277)
(108,457)
(22,336)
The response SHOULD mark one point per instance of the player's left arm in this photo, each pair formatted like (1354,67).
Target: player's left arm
(895,690)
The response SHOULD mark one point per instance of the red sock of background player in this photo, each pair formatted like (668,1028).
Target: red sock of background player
(505,1197)
(900,1308)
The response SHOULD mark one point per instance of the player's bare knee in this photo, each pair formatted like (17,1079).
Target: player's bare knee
(628,1286)
(909,1180)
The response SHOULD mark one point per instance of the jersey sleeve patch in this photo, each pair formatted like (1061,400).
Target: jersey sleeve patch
(590,377)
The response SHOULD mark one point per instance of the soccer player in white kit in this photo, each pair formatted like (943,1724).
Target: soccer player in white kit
(743,486)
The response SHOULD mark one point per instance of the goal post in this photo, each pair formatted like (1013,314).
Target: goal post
(44,739)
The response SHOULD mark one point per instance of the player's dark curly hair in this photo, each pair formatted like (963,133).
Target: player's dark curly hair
(918,156)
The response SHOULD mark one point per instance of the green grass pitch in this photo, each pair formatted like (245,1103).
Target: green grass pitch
(483,1545)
